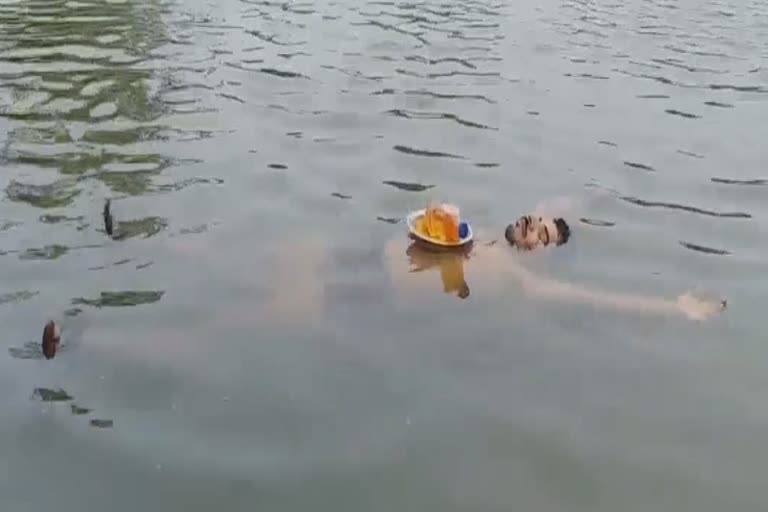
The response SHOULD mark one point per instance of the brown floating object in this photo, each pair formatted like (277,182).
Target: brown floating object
(51,338)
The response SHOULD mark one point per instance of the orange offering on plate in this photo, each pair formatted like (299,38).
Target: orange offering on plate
(441,222)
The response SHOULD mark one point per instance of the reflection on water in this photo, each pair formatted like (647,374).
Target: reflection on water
(68,68)
(449,263)
(122,298)
(51,395)
(54,396)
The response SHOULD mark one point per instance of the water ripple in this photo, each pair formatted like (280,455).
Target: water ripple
(731,181)
(409,114)
(704,249)
(424,152)
(691,209)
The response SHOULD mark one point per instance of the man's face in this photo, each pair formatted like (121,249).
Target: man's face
(530,232)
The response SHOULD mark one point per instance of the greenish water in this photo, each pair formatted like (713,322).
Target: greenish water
(254,336)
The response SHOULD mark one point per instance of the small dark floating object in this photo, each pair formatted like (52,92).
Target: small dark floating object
(51,339)
(277,166)
(102,423)
(108,224)
(607,143)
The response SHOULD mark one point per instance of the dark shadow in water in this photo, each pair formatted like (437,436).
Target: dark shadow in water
(121,299)
(450,262)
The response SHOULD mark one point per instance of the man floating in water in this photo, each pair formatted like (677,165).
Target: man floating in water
(534,232)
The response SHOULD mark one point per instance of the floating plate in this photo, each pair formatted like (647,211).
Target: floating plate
(411,219)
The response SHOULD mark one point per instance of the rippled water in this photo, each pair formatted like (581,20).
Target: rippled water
(254,335)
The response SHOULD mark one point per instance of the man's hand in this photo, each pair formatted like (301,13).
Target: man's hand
(696,308)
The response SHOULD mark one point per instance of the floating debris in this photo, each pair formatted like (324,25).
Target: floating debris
(51,339)
(108,224)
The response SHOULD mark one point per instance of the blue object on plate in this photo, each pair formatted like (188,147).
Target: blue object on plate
(463,230)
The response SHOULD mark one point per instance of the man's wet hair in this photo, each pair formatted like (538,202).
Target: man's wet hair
(563,229)
(509,234)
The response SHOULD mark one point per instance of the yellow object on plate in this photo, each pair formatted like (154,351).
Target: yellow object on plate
(440,222)
(439,225)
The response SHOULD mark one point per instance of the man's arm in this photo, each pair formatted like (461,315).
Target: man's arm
(547,288)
